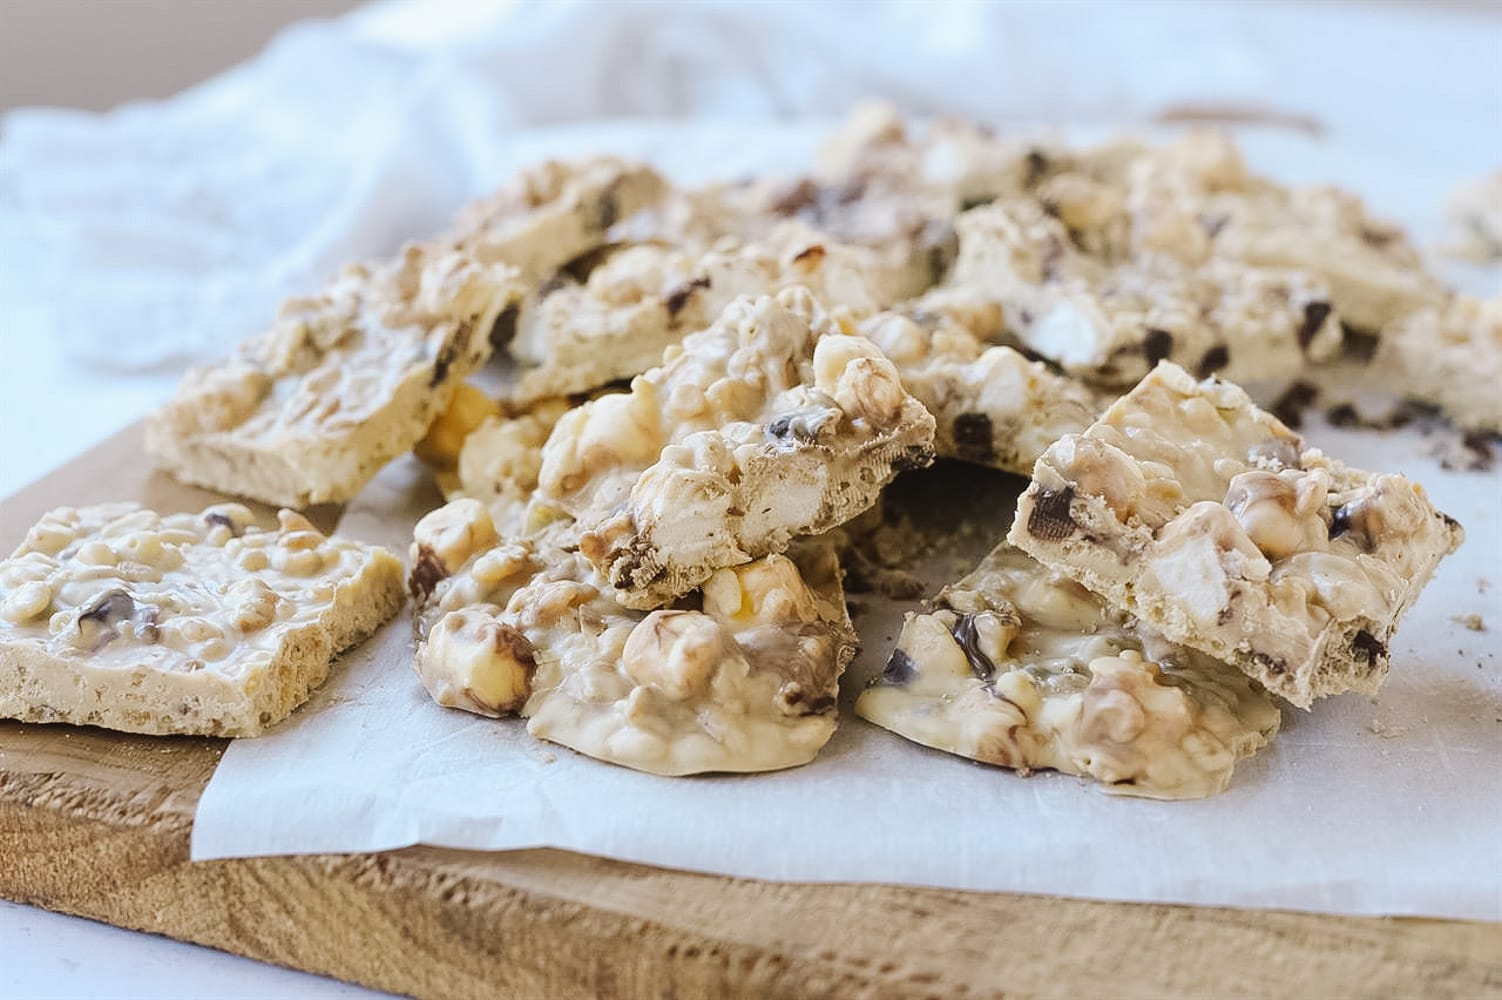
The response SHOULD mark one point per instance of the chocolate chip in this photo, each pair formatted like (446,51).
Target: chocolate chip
(678,297)
(1359,345)
(1214,360)
(969,642)
(1050,519)
(1290,406)
(1340,521)
(504,330)
(1368,645)
(972,437)
(1037,167)
(1343,415)
(1157,346)
(1315,314)
(224,521)
(426,573)
(900,668)
(608,210)
(110,608)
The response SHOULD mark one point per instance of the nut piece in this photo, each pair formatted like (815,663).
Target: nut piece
(768,591)
(453,533)
(1279,516)
(474,662)
(675,652)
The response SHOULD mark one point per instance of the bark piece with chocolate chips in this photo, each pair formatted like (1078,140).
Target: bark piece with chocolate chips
(1020,666)
(742,675)
(1210,521)
(344,382)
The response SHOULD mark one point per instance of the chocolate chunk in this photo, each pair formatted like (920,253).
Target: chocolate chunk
(504,330)
(915,456)
(1358,345)
(426,573)
(1214,360)
(678,297)
(1274,665)
(608,210)
(900,668)
(972,437)
(110,608)
(803,425)
(1368,645)
(969,641)
(1037,167)
(1290,406)
(1050,519)
(443,362)
(1315,314)
(223,520)
(1340,521)
(1157,346)
(1344,415)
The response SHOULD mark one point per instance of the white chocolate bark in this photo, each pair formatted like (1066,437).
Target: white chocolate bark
(116,616)
(1449,357)
(1209,520)
(1019,666)
(345,381)
(1110,317)
(991,405)
(551,213)
(617,323)
(767,425)
(743,678)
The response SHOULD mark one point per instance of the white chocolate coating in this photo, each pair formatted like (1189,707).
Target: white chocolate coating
(769,424)
(1207,518)
(116,616)
(1022,667)
(741,677)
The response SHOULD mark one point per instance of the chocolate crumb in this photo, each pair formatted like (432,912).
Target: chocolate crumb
(1368,645)
(1344,415)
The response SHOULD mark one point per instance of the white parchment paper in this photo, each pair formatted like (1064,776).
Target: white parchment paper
(1364,806)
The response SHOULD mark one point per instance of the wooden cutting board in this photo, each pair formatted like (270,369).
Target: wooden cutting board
(96,823)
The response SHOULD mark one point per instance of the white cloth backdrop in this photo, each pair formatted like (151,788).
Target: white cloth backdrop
(162,232)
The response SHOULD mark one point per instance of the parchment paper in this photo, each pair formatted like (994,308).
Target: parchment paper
(1362,806)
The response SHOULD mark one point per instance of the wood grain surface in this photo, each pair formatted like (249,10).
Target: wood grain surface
(97,824)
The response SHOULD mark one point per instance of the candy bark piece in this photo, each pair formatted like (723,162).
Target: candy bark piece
(1110,316)
(767,425)
(1449,357)
(1020,666)
(345,381)
(1188,507)
(116,616)
(644,298)
(553,212)
(991,405)
(742,677)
